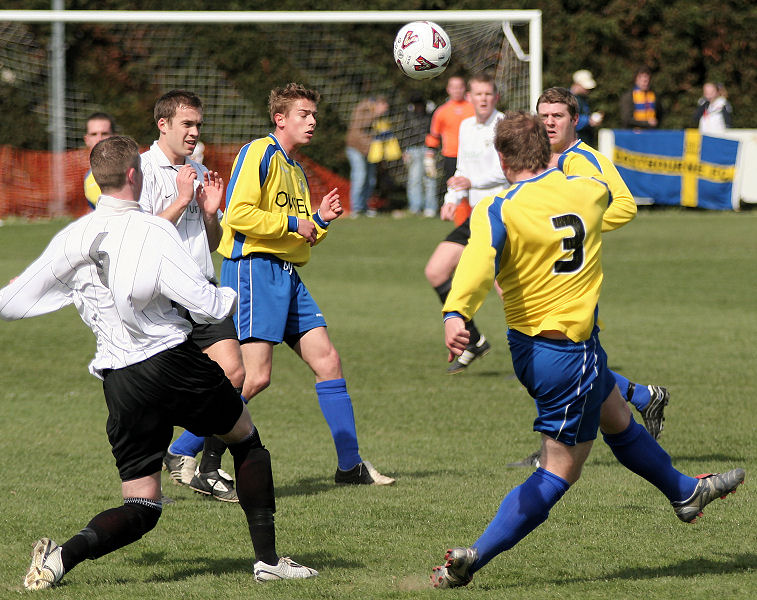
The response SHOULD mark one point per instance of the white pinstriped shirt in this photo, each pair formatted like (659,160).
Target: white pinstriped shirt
(121,268)
(477,159)
(158,193)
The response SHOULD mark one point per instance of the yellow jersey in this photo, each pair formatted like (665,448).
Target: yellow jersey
(267,193)
(541,238)
(582,159)
(91,189)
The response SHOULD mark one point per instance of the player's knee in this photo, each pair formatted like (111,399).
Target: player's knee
(329,365)
(236,376)
(432,273)
(255,383)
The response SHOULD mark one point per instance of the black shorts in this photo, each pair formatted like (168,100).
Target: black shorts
(207,335)
(180,386)
(449,166)
(460,234)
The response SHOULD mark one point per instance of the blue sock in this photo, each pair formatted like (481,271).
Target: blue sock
(523,510)
(187,444)
(638,451)
(640,397)
(336,407)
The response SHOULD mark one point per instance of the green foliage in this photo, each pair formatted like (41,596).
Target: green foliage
(678,308)
(684,43)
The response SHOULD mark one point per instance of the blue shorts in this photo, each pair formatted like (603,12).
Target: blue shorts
(569,382)
(274,305)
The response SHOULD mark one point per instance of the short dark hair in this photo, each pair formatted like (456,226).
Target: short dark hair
(111,159)
(167,105)
(281,99)
(483,77)
(103,116)
(521,139)
(559,95)
(643,69)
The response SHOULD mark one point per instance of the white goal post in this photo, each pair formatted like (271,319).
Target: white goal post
(506,42)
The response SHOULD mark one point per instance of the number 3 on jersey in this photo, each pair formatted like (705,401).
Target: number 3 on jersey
(573,244)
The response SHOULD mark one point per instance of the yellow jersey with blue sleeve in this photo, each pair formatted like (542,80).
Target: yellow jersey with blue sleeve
(91,189)
(582,159)
(267,194)
(541,239)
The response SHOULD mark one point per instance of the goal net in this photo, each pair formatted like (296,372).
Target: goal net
(344,58)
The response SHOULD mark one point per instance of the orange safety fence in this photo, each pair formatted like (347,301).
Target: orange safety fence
(27,188)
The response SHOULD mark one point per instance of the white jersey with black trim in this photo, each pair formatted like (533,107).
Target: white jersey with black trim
(477,160)
(158,193)
(121,268)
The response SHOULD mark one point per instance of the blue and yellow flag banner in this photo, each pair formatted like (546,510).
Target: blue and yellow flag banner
(677,167)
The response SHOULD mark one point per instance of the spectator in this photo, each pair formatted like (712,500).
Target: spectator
(445,127)
(359,138)
(421,188)
(639,106)
(714,113)
(583,83)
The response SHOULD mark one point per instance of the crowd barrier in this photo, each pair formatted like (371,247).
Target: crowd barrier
(684,167)
(28,187)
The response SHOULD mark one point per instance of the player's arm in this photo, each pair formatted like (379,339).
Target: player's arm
(475,273)
(434,136)
(330,209)
(182,281)
(243,213)
(623,207)
(42,287)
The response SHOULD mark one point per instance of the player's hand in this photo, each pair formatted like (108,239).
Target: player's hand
(331,206)
(447,211)
(456,336)
(458,182)
(185,184)
(307,230)
(429,165)
(596,118)
(210,193)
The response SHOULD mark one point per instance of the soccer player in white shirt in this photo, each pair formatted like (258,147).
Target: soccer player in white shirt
(123,269)
(171,181)
(478,174)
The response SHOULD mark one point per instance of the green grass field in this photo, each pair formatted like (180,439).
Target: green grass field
(679,310)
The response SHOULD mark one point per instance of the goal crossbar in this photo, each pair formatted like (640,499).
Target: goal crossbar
(221,16)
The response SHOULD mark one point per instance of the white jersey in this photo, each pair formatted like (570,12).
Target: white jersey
(158,193)
(121,268)
(478,161)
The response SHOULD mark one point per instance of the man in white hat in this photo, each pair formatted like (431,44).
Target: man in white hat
(583,83)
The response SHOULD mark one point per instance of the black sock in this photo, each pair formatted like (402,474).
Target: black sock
(110,530)
(252,466)
(211,454)
(474,333)
(443,290)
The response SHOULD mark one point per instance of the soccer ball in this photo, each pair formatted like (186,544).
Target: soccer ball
(422,50)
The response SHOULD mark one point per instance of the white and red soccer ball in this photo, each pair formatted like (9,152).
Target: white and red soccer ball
(422,50)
